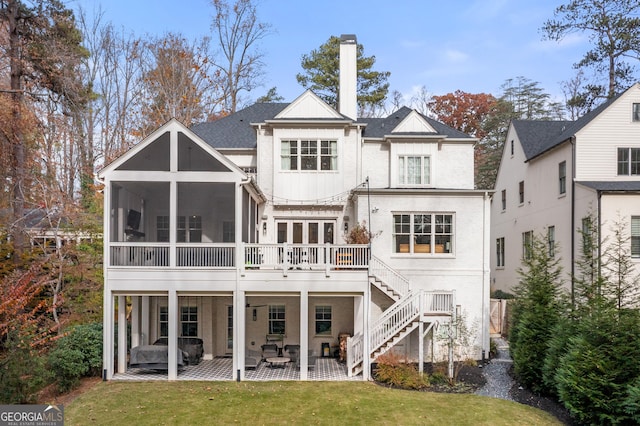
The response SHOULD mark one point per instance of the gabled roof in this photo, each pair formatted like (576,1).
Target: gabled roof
(235,131)
(538,137)
(380,127)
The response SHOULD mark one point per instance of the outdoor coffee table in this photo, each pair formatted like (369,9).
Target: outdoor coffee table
(278,361)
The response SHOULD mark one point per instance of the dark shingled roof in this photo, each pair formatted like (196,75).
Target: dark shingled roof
(631,185)
(379,127)
(235,131)
(538,137)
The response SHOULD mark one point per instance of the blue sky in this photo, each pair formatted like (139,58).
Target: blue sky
(471,45)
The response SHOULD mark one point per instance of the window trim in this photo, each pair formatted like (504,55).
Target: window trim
(404,167)
(521,192)
(324,319)
(635,237)
(302,152)
(527,245)
(277,314)
(635,112)
(190,311)
(500,252)
(504,200)
(437,228)
(562,177)
(630,164)
(551,241)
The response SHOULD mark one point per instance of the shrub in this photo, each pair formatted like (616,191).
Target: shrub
(395,371)
(22,372)
(77,354)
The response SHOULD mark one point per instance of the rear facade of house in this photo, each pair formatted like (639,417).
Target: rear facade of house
(236,232)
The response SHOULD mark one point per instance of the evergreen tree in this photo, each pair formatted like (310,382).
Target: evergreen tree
(536,312)
(321,74)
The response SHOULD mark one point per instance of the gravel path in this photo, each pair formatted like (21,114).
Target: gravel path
(496,372)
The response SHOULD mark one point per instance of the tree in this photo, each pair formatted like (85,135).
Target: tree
(613,27)
(529,100)
(178,82)
(238,32)
(621,284)
(464,111)
(536,312)
(321,74)
(271,96)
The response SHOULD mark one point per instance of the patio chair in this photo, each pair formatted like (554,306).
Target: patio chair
(270,350)
(293,351)
(252,359)
(311,360)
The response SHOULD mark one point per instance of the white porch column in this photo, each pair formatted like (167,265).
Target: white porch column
(304,334)
(366,360)
(135,321)
(173,222)
(144,321)
(421,346)
(239,316)
(122,334)
(172,338)
(107,335)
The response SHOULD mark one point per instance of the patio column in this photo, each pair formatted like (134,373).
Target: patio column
(421,346)
(144,322)
(239,334)
(122,334)
(173,336)
(135,321)
(304,335)
(107,337)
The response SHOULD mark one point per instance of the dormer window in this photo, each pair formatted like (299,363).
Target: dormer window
(414,170)
(309,155)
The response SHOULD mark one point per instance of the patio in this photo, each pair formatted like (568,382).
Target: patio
(220,369)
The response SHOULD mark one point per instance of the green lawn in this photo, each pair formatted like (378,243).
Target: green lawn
(299,403)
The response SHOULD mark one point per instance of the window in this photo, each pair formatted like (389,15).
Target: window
(305,155)
(423,233)
(414,170)
(521,191)
(629,161)
(504,199)
(527,245)
(276,319)
(189,229)
(189,320)
(551,241)
(636,112)
(500,252)
(512,147)
(587,235)
(323,320)
(162,229)
(562,177)
(635,236)
(164,321)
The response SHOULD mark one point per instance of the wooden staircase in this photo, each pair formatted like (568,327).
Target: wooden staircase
(400,319)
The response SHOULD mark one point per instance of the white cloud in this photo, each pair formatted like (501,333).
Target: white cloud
(456,56)
(567,42)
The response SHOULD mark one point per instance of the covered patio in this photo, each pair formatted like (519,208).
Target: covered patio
(221,369)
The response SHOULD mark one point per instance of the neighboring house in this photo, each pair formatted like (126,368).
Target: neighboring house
(234,231)
(554,175)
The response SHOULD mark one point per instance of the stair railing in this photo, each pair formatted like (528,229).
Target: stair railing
(392,279)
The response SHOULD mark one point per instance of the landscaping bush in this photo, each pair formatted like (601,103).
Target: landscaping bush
(395,371)
(77,354)
(22,372)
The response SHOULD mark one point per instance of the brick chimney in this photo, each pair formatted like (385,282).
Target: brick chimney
(347,94)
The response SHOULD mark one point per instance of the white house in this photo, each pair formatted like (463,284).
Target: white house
(234,232)
(554,175)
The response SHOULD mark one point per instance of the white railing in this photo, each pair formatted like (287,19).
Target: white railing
(206,255)
(305,256)
(355,352)
(139,254)
(392,279)
(397,318)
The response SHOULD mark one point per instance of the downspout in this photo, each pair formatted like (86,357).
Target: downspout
(573,219)
(599,219)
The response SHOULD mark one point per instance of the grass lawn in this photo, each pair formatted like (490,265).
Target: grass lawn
(300,403)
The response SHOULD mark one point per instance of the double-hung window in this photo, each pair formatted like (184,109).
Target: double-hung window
(628,161)
(423,233)
(500,252)
(323,320)
(562,177)
(189,229)
(551,241)
(527,245)
(636,112)
(309,155)
(635,236)
(414,170)
(276,319)
(521,191)
(504,199)
(189,320)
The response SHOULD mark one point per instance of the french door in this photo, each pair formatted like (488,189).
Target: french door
(306,232)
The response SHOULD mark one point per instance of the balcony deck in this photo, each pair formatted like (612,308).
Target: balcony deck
(246,257)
